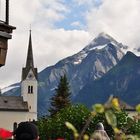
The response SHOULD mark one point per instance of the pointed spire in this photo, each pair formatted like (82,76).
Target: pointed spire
(29,61)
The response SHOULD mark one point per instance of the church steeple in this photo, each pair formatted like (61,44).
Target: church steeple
(29,83)
(30,61)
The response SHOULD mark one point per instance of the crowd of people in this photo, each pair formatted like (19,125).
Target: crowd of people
(29,131)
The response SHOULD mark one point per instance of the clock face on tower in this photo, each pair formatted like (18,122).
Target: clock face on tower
(30,76)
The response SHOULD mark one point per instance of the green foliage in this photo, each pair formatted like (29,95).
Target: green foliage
(62,97)
(54,127)
(138,108)
(95,120)
(111,118)
(76,121)
(127,124)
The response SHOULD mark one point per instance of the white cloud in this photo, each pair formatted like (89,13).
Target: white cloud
(48,47)
(49,44)
(58,44)
(77,24)
(119,18)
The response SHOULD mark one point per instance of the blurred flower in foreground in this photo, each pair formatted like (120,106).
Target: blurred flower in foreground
(5,134)
(99,108)
(115,103)
(138,108)
(86,137)
(116,130)
(111,118)
(70,126)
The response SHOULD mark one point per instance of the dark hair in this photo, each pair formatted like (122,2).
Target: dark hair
(26,131)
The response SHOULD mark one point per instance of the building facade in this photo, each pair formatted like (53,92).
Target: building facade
(14,110)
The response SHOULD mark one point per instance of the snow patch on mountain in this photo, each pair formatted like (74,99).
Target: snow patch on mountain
(98,47)
(80,57)
(103,40)
(9,88)
(84,53)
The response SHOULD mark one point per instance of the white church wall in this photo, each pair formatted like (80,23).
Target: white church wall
(31,98)
(8,118)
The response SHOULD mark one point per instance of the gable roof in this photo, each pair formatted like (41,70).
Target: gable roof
(12,103)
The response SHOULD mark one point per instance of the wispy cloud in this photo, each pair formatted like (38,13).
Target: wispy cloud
(119,18)
(77,24)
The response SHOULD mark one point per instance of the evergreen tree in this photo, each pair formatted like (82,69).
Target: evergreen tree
(62,97)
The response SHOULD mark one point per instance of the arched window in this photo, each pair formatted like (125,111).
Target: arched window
(30,89)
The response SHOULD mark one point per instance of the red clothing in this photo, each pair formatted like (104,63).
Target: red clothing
(4,134)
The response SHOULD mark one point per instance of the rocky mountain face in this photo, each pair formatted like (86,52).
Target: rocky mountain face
(121,81)
(91,63)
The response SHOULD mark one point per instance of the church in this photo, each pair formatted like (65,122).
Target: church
(15,109)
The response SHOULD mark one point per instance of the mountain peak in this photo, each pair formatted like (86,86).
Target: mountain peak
(101,41)
(129,58)
(104,35)
(130,55)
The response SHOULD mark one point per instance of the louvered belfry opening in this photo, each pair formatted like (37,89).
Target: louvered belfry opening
(5,30)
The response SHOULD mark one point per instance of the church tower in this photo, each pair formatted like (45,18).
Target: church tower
(29,82)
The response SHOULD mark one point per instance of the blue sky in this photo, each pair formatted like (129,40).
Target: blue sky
(75,18)
(61,28)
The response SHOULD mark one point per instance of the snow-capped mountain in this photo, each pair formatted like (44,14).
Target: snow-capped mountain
(92,62)
(11,87)
(122,81)
(103,39)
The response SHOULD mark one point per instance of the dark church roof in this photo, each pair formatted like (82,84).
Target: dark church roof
(29,61)
(12,103)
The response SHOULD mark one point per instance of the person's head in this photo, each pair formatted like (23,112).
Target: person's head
(26,131)
(99,126)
